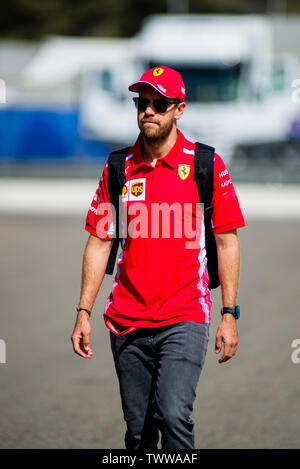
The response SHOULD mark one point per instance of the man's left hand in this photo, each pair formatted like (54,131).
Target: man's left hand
(227,333)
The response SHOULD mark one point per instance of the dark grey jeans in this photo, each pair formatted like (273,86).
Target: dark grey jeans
(158,370)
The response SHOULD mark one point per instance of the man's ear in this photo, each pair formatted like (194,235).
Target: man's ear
(179,110)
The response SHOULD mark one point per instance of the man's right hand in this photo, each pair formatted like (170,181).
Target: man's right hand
(81,335)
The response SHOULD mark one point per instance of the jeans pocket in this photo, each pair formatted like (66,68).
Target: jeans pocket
(197,337)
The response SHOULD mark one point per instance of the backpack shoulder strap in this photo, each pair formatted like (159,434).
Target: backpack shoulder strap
(116,181)
(204,172)
(204,177)
(116,172)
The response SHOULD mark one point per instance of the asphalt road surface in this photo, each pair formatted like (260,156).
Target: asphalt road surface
(52,398)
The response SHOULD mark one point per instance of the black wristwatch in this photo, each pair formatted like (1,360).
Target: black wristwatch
(234,310)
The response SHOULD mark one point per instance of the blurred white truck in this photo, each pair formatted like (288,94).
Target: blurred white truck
(239,94)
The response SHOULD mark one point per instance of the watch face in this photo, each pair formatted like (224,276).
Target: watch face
(237,311)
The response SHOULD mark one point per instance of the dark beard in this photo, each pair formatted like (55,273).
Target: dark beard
(159,137)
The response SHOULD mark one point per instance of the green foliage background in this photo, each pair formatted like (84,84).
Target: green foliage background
(32,19)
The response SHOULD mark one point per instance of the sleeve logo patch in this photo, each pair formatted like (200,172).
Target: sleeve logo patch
(158,71)
(184,171)
(125,192)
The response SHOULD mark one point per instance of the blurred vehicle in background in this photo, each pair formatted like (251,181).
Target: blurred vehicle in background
(40,118)
(67,98)
(238,90)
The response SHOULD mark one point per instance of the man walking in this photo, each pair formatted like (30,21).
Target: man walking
(158,311)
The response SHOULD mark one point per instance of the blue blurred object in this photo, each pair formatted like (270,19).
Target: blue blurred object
(43,134)
(295,130)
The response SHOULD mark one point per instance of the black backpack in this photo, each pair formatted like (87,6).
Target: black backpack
(204,172)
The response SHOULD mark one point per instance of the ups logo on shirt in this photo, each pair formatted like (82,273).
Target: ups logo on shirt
(137,189)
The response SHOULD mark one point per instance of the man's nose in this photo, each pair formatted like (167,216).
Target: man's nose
(149,109)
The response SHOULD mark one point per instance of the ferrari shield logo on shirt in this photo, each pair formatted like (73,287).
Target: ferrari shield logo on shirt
(137,189)
(183,171)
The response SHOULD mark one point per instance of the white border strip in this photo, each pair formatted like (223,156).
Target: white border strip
(74,196)
(269,201)
(46,196)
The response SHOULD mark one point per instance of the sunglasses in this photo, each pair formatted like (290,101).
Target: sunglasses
(159,105)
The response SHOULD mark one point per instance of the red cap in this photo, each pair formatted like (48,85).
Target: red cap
(163,79)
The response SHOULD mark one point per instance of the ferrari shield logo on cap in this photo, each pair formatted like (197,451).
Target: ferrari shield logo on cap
(158,71)
(183,171)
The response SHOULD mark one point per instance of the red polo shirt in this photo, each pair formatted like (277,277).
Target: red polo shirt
(162,274)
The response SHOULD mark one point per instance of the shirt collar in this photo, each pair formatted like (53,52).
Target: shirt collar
(169,158)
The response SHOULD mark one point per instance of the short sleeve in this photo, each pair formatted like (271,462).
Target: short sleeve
(227,214)
(100,221)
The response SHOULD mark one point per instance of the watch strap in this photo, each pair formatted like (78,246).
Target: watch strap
(234,310)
